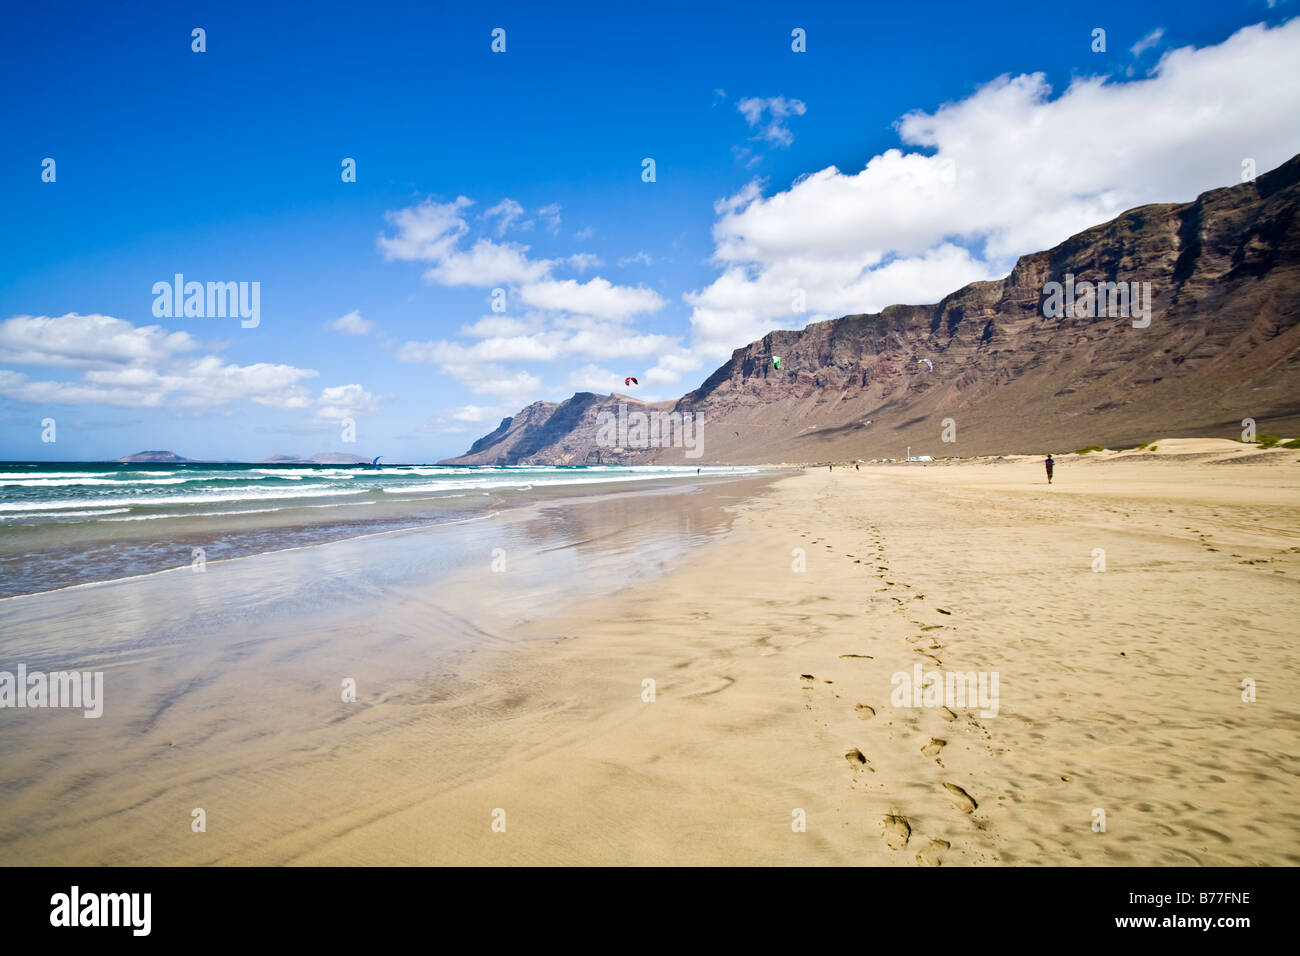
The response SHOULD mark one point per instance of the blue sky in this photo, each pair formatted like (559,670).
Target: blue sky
(225,165)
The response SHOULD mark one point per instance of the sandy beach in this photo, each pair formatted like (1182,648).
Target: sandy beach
(737,702)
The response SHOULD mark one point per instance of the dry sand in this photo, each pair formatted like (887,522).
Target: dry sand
(1119,690)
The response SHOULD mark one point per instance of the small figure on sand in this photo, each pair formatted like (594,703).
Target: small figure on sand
(1049,464)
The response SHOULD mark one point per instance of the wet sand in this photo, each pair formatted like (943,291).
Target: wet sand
(773,647)
(223,689)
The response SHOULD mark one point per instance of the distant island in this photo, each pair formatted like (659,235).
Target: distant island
(320,458)
(154,456)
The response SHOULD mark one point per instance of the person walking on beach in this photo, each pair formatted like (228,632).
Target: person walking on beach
(1049,464)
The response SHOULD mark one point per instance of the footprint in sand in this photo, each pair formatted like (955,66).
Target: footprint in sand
(865,711)
(932,855)
(933,747)
(857,760)
(711,685)
(897,831)
(962,800)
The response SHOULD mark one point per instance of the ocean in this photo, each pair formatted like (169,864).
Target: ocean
(69,523)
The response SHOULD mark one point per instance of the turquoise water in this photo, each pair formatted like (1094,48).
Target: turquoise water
(33,492)
(66,523)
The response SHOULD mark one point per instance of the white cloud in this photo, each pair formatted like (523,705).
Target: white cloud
(609,341)
(642,257)
(550,216)
(350,324)
(489,263)
(1148,41)
(597,297)
(672,365)
(1012,170)
(777,109)
(518,348)
(507,211)
(492,326)
(517,388)
(504,340)
(345,401)
(425,232)
(432,232)
(143,367)
(589,378)
(199,382)
(75,340)
(476,413)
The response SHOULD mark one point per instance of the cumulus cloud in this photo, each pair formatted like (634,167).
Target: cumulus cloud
(539,337)
(1009,170)
(345,401)
(433,232)
(590,378)
(75,340)
(489,263)
(350,324)
(598,297)
(132,366)
(426,232)
(564,318)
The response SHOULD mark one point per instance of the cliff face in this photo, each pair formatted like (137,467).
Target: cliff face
(1222,344)
(559,434)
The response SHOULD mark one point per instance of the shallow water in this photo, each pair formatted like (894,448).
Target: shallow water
(63,524)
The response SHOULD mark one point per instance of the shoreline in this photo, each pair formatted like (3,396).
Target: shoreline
(55,546)
(1119,691)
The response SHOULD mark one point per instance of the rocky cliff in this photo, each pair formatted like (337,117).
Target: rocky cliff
(1221,343)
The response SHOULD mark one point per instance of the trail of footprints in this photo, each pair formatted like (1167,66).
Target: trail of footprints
(896,828)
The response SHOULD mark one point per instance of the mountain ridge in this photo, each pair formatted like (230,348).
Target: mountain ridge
(1222,345)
